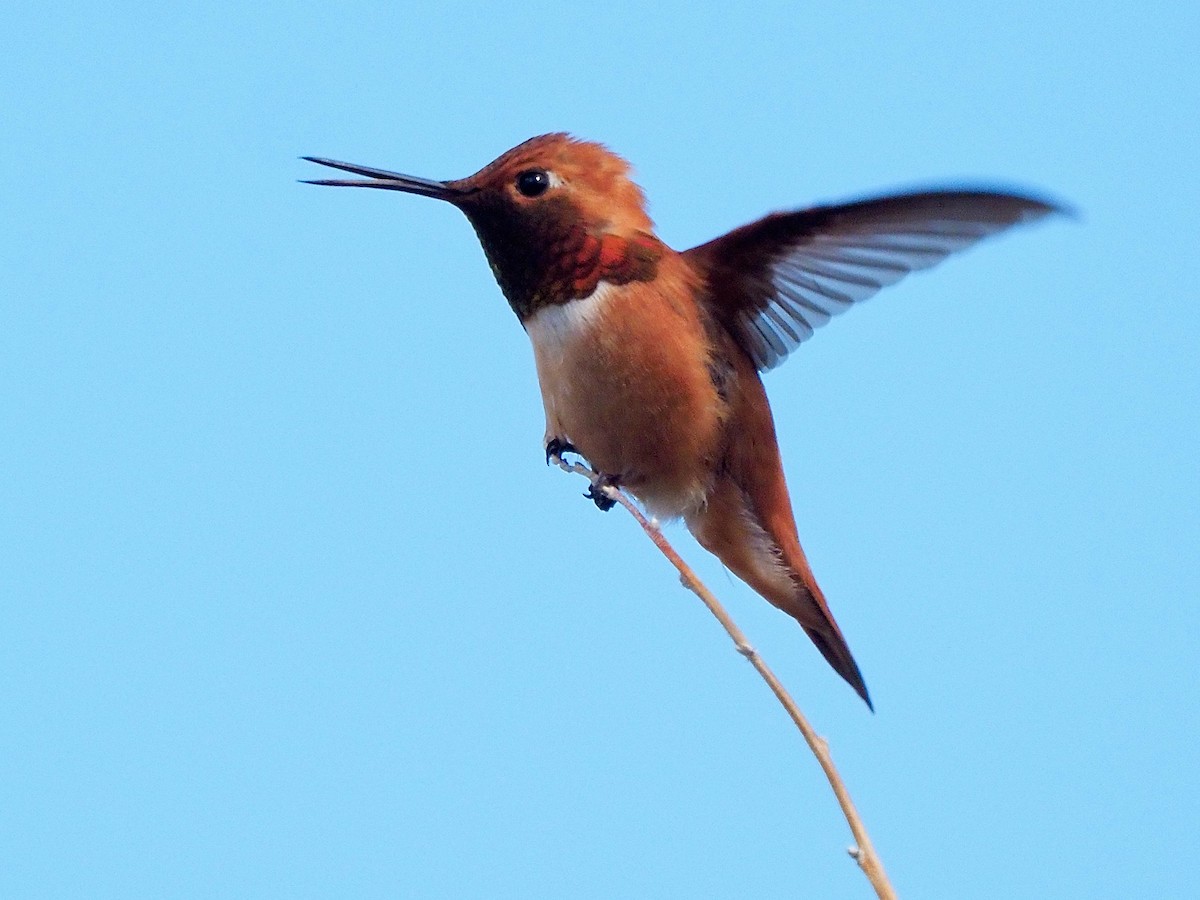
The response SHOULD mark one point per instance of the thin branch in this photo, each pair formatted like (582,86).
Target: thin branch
(864,852)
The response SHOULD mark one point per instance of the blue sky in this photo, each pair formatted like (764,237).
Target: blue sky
(292,607)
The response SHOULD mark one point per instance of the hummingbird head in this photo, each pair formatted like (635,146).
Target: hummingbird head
(555,215)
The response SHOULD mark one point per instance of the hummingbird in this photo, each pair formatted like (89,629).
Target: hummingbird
(649,359)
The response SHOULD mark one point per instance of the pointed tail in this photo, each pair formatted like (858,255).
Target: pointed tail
(807,605)
(754,534)
(837,654)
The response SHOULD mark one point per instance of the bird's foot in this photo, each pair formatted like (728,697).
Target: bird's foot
(599,496)
(556,447)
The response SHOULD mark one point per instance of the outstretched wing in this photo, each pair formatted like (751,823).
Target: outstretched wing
(775,280)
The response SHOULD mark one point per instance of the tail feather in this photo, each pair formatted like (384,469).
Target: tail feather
(747,522)
(812,610)
(767,494)
(764,552)
(837,654)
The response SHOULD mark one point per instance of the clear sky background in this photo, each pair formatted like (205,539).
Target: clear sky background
(291,605)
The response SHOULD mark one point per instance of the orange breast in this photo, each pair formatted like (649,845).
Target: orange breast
(624,378)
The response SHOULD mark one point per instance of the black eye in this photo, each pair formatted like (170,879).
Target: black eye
(533,182)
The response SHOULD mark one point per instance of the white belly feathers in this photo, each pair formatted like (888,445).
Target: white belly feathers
(554,328)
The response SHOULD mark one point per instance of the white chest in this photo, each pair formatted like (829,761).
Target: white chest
(565,338)
(556,330)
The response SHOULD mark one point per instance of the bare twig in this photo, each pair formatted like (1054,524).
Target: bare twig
(864,852)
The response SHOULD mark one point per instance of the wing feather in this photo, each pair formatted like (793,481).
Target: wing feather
(776,280)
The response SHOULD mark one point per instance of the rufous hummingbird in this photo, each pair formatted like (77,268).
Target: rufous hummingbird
(649,359)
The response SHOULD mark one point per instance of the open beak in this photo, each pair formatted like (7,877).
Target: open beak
(388,181)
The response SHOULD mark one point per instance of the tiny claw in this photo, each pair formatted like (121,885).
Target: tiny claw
(557,447)
(597,494)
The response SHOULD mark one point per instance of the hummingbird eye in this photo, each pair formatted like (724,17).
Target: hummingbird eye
(533,182)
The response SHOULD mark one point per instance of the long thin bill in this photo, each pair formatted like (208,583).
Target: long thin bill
(383,179)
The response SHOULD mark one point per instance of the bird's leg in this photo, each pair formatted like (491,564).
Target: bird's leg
(556,447)
(597,494)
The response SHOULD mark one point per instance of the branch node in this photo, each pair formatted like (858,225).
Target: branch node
(746,650)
